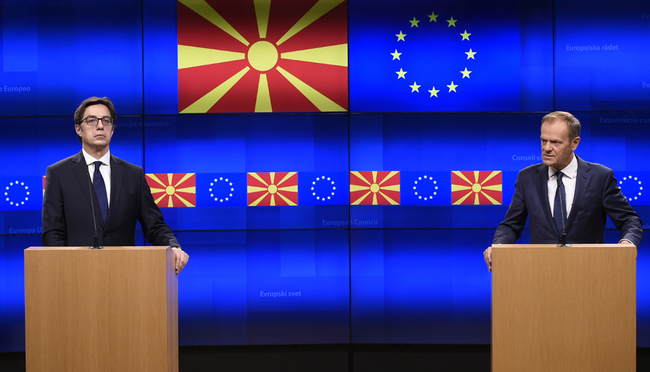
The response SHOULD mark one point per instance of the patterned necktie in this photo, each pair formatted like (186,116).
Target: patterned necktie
(559,211)
(100,190)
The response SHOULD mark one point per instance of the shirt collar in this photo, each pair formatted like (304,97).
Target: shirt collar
(106,159)
(570,170)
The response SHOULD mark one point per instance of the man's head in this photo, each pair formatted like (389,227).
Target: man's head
(560,137)
(93,130)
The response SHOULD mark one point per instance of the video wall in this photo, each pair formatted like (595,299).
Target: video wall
(334,168)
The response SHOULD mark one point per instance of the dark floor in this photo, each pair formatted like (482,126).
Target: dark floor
(328,358)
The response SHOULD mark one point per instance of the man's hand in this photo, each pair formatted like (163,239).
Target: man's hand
(487,254)
(181,259)
(627,242)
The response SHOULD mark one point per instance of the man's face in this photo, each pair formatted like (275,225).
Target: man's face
(557,149)
(97,137)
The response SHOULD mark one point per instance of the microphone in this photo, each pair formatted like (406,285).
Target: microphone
(562,242)
(92,207)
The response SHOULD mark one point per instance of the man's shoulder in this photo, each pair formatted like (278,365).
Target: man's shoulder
(532,170)
(67,162)
(594,168)
(125,165)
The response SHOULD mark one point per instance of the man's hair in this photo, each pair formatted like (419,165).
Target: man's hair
(79,113)
(572,122)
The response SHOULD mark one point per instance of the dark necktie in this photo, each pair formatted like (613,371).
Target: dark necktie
(100,190)
(559,211)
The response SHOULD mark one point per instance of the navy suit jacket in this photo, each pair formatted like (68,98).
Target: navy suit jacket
(67,213)
(597,196)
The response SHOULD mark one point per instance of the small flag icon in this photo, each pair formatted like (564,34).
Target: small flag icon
(17,193)
(632,188)
(476,187)
(172,190)
(374,188)
(272,189)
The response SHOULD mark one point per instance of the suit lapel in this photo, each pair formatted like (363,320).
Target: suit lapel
(80,169)
(583,179)
(117,175)
(542,189)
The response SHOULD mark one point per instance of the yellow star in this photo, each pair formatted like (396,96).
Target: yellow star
(470,54)
(452,22)
(414,22)
(415,87)
(434,92)
(401,74)
(452,87)
(466,73)
(400,36)
(465,35)
(396,55)
(433,17)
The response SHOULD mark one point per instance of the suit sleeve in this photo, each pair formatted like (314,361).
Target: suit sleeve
(514,222)
(619,210)
(151,219)
(54,226)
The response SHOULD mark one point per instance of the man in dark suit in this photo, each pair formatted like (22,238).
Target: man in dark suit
(566,198)
(94,179)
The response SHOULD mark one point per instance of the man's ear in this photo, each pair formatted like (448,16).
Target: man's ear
(574,143)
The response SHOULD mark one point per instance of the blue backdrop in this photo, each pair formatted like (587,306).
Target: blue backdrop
(436,92)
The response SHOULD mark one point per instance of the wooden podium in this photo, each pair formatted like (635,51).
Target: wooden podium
(563,308)
(114,309)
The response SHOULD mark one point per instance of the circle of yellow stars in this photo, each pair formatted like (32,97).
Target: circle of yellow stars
(217,198)
(401,74)
(427,196)
(19,184)
(326,180)
(633,180)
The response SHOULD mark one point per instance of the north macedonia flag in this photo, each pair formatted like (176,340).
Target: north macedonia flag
(272,189)
(171,190)
(374,188)
(476,187)
(262,56)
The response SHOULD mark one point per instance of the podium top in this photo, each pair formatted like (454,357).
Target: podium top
(547,246)
(85,248)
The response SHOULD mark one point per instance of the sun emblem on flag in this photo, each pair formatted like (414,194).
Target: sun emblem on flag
(221,189)
(17,193)
(476,187)
(431,37)
(425,188)
(323,188)
(374,188)
(262,56)
(633,188)
(173,189)
(272,189)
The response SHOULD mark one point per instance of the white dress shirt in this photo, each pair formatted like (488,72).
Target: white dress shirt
(568,179)
(105,170)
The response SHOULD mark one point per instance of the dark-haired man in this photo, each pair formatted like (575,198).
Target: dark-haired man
(94,179)
(566,198)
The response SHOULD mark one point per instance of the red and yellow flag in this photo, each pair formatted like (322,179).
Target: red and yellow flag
(272,189)
(262,56)
(476,187)
(374,188)
(173,189)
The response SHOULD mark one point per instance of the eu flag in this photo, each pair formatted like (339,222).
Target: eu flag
(631,184)
(220,189)
(426,188)
(444,56)
(323,188)
(21,193)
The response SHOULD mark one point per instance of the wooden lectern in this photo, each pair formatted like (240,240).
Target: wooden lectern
(114,309)
(563,308)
